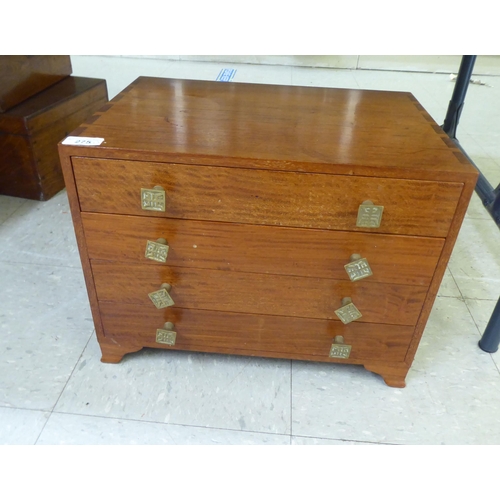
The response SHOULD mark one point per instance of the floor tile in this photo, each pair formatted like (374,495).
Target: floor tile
(480,114)
(277,75)
(476,209)
(252,73)
(391,81)
(40,233)
(66,429)
(227,392)
(321,77)
(329,61)
(489,168)
(475,261)
(8,205)
(490,143)
(448,286)
(307,441)
(472,145)
(412,63)
(45,322)
(452,394)
(481,311)
(21,427)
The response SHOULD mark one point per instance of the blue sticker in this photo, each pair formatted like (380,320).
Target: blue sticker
(226,75)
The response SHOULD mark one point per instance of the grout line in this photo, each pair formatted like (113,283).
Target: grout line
(39,265)
(347,440)
(481,332)
(16,210)
(23,409)
(471,315)
(65,385)
(167,424)
(462,298)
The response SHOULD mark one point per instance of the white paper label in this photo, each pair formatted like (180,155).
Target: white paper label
(83,141)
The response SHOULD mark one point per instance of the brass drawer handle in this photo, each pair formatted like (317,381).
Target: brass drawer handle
(153,199)
(339,349)
(358,268)
(157,250)
(348,312)
(166,335)
(369,215)
(161,298)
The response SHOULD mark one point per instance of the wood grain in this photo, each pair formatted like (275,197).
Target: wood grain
(265,197)
(262,249)
(257,293)
(256,334)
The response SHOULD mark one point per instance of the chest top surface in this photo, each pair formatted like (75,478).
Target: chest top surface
(326,130)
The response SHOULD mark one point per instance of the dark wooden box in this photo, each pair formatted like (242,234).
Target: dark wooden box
(29,133)
(21,77)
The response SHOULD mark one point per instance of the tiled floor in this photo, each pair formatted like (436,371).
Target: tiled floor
(54,390)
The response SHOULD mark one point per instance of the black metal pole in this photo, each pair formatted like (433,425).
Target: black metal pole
(458,97)
(490,197)
(491,337)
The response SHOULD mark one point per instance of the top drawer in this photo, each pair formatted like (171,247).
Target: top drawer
(252,196)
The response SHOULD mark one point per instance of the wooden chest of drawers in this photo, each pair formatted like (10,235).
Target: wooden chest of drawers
(285,222)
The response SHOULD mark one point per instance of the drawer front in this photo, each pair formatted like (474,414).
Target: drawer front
(257,293)
(254,334)
(405,260)
(422,208)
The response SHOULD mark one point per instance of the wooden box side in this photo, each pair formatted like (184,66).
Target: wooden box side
(51,118)
(456,224)
(24,76)
(69,180)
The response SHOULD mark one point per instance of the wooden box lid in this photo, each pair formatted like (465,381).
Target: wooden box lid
(35,113)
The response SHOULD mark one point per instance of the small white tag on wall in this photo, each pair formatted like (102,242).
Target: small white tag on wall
(83,141)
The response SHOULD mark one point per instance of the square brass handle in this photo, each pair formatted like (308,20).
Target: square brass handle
(153,199)
(161,298)
(339,349)
(348,312)
(157,250)
(166,335)
(358,268)
(369,214)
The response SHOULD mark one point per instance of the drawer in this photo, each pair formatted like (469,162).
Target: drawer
(405,260)
(257,293)
(412,207)
(251,334)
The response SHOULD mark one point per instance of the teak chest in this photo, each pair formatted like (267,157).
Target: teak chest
(265,220)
